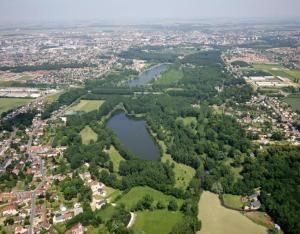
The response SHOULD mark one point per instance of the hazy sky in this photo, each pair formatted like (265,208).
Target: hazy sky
(71,10)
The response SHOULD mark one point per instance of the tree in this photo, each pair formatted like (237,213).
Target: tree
(172,205)
(217,188)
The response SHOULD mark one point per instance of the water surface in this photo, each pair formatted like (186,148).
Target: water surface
(148,75)
(134,135)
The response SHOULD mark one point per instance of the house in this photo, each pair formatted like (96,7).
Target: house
(5,196)
(100,204)
(10,210)
(19,229)
(77,229)
(78,210)
(253,197)
(62,208)
(255,205)
(58,218)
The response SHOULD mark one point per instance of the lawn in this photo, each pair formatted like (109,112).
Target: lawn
(135,194)
(260,218)
(171,76)
(293,101)
(106,212)
(86,105)
(96,230)
(115,157)
(183,173)
(154,222)
(7,104)
(87,135)
(216,219)
(232,201)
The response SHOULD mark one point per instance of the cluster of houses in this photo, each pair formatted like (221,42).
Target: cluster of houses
(98,190)
(268,112)
(65,214)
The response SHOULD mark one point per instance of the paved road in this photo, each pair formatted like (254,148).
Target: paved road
(33,197)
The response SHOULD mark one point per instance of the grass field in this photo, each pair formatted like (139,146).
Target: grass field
(183,173)
(236,170)
(115,157)
(278,70)
(216,219)
(232,201)
(131,198)
(7,104)
(293,101)
(52,97)
(172,76)
(106,213)
(154,222)
(86,105)
(87,135)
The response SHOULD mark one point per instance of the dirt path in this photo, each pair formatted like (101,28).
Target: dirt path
(132,219)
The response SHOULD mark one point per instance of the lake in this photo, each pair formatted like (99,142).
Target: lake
(148,75)
(135,136)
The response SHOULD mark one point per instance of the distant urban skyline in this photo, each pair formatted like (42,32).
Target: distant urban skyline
(13,11)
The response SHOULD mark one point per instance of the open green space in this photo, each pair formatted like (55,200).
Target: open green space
(293,101)
(87,135)
(171,76)
(216,219)
(86,105)
(278,70)
(135,194)
(187,121)
(154,222)
(7,104)
(106,212)
(232,201)
(51,97)
(115,157)
(183,173)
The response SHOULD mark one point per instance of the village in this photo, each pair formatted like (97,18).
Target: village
(34,201)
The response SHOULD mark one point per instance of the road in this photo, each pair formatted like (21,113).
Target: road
(8,142)
(44,180)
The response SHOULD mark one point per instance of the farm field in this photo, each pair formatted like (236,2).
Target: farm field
(183,173)
(154,222)
(232,201)
(88,135)
(131,198)
(86,105)
(278,70)
(172,76)
(7,104)
(115,157)
(293,101)
(216,219)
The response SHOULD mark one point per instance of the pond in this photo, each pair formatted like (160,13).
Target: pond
(148,75)
(135,136)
